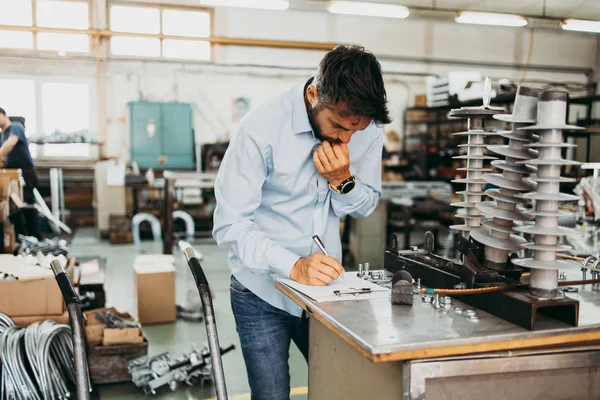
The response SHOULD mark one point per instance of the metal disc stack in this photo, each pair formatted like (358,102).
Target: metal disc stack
(498,234)
(552,108)
(475,158)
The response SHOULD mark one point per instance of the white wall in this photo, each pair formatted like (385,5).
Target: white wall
(212,88)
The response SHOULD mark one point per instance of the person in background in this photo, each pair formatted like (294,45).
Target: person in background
(297,164)
(14,154)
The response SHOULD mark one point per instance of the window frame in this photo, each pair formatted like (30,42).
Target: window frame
(161,36)
(34,29)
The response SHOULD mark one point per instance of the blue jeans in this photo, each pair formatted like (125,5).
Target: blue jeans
(265,333)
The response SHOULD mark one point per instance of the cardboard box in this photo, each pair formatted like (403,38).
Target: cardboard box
(8,235)
(155,293)
(6,184)
(96,334)
(24,322)
(420,100)
(31,297)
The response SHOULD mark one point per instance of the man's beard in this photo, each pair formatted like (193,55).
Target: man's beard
(312,114)
(312,118)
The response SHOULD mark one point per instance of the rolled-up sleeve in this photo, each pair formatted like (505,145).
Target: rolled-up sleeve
(363,199)
(238,191)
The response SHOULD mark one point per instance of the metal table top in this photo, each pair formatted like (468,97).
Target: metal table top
(384,332)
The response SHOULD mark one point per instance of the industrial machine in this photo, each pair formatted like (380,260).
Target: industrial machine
(492,273)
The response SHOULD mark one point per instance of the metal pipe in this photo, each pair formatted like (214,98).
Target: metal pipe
(77,330)
(209,318)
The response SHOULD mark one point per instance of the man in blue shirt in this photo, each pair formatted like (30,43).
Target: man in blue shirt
(14,154)
(296,166)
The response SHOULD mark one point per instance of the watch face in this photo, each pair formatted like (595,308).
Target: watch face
(348,187)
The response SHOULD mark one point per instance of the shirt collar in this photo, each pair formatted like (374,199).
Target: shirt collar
(300,121)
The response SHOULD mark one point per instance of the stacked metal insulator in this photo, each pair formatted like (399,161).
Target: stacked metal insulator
(552,110)
(498,234)
(475,158)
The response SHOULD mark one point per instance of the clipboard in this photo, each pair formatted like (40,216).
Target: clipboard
(350,287)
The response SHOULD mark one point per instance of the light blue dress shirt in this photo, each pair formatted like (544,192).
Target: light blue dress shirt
(271,200)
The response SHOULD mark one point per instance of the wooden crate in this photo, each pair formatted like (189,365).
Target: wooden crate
(108,364)
(120,237)
(119,223)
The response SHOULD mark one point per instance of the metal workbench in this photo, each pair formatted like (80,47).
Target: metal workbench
(371,349)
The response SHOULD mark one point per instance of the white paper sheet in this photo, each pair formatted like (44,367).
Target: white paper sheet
(350,282)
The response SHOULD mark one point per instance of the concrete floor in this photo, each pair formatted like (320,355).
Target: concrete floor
(178,337)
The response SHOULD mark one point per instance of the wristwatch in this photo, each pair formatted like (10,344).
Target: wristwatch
(344,187)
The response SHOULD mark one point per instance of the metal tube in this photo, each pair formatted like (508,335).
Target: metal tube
(210,321)
(77,331)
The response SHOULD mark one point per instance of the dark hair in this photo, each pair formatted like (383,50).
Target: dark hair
(2,111)
(349,77)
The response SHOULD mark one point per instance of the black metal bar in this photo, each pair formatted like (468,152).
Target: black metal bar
(209,318)
(168,216)
(82,376)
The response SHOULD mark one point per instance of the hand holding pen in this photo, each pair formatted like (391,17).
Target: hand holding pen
(316,270)
(321,247)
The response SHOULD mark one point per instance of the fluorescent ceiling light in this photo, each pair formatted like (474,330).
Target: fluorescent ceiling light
(580,25)
(262,4)
(368,9)
(482,18)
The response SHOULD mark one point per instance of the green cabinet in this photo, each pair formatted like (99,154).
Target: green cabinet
(162,135)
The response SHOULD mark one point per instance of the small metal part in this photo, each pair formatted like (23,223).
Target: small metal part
(571,289)
(419,284)
(457,310)
(436,301)
(429,242)
(473,318)
(460,286)
(470,313)
(366,271)
(427,299)
(562,276)
(446,300)
(414,248)
(360,272)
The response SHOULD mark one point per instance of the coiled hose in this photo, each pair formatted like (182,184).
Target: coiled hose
(36,363)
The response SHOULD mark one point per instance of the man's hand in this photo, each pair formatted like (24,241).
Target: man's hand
(333,162)
(316,270)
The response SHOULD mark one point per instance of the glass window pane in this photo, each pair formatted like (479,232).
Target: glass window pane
(63,42)
(186,23)
(16,40)
(190,49)
(65,107)
(17,98)
(15,12)
(62,14)
(75,150)
(135,46)
(134,19)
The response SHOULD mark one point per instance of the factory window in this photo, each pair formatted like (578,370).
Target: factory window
(190,49)
(17,97)
(62,14)
(135,46)
(160,31)
(134,19)
(16,40)
(186,23)
(63,42)
(17,13)
(65,107)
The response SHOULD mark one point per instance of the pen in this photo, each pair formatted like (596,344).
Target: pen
(321,246)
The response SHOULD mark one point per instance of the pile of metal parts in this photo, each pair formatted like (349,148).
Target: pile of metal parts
(496,233)
(112,320)
(154,372)
(31,245)
(36,363)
